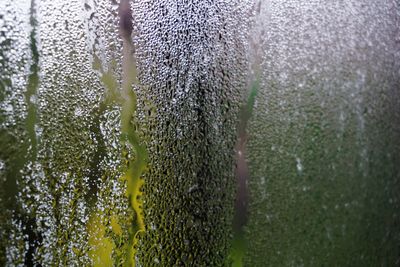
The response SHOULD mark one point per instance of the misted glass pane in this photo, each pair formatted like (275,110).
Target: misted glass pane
(199,133)
(324,140)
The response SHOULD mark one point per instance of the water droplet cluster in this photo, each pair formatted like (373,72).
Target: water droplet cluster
(76,169)
(192,65)
(324,137)
(63,188)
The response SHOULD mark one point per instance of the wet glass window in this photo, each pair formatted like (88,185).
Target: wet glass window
(199,133)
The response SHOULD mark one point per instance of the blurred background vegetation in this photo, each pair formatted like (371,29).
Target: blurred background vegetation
(199,133)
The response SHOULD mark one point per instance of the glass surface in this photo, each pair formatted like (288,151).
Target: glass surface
(199,133)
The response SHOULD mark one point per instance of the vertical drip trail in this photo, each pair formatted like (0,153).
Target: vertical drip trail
(136,166)
(103,247)
(33,82)
(30,147)
(242,175)
(239,246)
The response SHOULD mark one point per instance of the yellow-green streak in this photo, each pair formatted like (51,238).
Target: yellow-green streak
(101,247)
(137,166)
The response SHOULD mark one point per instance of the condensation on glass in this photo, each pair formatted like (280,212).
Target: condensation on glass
(299,99)
(66,157)
(324,139)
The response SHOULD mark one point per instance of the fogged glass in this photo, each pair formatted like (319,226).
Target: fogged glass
(199,133)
